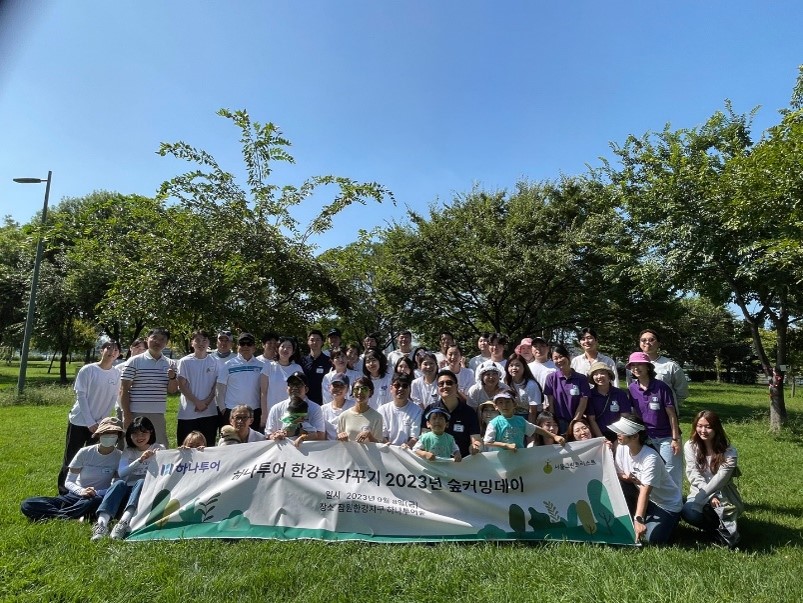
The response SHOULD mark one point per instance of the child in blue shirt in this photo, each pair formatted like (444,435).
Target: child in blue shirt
(436,444)
(509,430)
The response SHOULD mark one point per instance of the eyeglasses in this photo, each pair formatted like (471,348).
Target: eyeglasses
(247,344)
(238,418)
(445,383)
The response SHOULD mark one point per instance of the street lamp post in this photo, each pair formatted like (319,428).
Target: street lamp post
(26,338)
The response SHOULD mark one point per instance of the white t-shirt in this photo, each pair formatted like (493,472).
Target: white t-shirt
(277,380)
(582,365)
(96,392)
(649,468)
(541,371)
(241,378)
(465,379)
(529,394)
(381,391)
(422,393)
(400,423)
(326,395)
(314,422)
(476,361)
(96,469)
(331,415)
(202,374)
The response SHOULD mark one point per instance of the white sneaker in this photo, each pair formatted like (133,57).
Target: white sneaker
(99,531)
(121,530)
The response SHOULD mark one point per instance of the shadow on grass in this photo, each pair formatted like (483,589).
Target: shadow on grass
(761,537)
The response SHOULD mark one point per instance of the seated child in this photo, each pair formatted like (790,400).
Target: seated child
(509,430)
(194,439)
(436,444)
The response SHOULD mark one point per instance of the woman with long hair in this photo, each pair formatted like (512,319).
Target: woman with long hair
(375,367)
(278,371)
(713,504)
(519,378)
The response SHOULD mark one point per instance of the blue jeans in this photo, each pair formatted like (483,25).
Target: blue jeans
(64,506)
(660,524)
(119,492)
(674,462)
(703,517)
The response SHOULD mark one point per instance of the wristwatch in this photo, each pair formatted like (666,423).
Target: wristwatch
(639,519)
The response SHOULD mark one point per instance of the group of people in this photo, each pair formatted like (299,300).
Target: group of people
(439,404)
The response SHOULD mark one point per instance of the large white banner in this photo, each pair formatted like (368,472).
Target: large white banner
(376,492)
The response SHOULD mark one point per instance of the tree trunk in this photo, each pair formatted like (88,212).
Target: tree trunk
(63,367)
(777,404)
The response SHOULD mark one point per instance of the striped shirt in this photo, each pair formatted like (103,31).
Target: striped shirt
(148,377)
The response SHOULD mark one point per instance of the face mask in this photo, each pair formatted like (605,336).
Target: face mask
(108,441)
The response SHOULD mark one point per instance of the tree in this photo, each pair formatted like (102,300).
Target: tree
(683,194)
(543,259)
(268,257)
(16,259)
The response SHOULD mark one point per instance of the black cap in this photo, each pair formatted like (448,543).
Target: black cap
(297,376)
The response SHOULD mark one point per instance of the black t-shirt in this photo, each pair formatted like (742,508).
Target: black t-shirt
(315,369)
(462,424)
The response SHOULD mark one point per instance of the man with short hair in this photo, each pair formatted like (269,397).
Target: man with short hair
(239,383)
(313,426)
(145,383)
(666,370)
(270,347)
(315,364)
(335,341)
(225,342)
(241,418)
(401,419)
(197,379)
(542,365)
(96,387)
(405,341)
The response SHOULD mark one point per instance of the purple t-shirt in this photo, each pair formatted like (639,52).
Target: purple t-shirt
(651,404)
(607,408)
(567,392)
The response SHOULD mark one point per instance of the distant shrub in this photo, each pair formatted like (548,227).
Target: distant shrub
(38,395)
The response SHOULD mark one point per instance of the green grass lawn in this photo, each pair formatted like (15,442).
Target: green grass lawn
(54,561)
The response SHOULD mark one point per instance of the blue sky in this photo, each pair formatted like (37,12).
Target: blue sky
(427,97)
